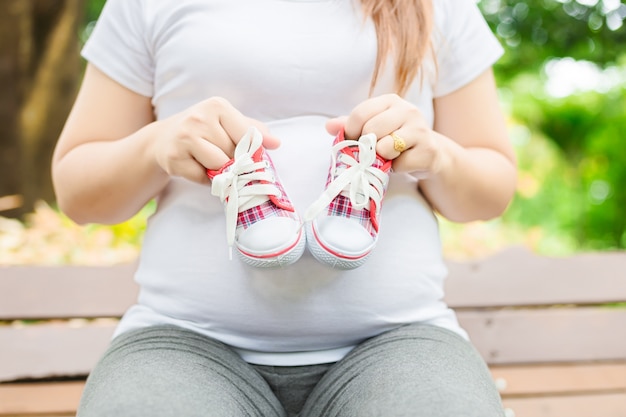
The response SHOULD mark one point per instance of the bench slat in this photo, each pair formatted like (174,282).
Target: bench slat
(517,277)
(508,336)
(52,349)
(63,397)
(514,277)
(547,335)
(39,292)
(558,379)
(58,398)
(549,361)
(604,405)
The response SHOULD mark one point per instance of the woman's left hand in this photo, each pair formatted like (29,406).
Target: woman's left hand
(391,118)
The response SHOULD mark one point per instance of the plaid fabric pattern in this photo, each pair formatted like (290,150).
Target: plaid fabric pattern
(341,205)
(263,211)
(268,209)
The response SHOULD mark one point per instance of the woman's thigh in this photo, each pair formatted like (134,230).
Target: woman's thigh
(168,371)
(416,370)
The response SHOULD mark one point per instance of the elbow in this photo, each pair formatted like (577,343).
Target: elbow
(500,201)
(83,208)
(72,211)
(79,201)
(65,200)
(481,214)
(489,204)
(484,212)
(495,210)
(83,213)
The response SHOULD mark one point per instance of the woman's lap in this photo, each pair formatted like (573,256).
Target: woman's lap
(167,371)
(416,370)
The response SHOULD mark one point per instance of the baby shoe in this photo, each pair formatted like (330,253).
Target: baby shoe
(342,224)
(260,220)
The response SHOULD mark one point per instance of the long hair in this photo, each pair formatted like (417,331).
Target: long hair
(403,27)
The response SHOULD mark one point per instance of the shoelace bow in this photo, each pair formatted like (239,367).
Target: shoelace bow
(356,179)
(245,183)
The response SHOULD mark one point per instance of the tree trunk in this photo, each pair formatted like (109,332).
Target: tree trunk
(12,67)
(40,70)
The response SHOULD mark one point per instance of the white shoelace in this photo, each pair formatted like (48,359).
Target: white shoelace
(240,187)
(358,180)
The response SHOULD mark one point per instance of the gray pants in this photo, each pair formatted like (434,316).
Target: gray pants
(416,370)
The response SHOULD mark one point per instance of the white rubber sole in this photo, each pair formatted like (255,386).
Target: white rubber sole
(283,258)
(324,254)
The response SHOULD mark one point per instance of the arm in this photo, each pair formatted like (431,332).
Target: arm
(477,175)
(466,164)
(101,168)
(112,157)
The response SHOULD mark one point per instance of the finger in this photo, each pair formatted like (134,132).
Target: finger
(222,124)
(225,139)
(189,169)
(269,140)
(392,145)
(365,111)
(233,122)
(208,155)
(419,160)
(235,125)
(335,125)
(386,122)
(411,161)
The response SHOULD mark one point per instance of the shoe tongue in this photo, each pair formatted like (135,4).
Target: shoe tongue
(353,150)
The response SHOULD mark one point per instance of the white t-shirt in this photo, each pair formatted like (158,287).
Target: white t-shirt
(291,64)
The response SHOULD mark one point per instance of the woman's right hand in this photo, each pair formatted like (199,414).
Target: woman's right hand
(113,157)
(203,137)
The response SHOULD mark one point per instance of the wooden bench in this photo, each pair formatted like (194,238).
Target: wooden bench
(553,330)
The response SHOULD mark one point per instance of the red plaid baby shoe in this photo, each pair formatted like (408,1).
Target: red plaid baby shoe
(260,220)
(342,224)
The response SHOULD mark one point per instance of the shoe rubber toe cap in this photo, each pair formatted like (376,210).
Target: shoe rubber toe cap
(269,237)
(343,236)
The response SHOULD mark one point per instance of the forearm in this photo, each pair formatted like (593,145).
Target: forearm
(108,181)
(473,183)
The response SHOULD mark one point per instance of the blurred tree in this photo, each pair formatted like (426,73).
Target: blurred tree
(534,31)
(589,200)
(585,197)
(39,72)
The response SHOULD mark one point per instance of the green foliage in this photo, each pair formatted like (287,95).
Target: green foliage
(93,9)
(572,157)
(581,167)
(534,31)
(92,12)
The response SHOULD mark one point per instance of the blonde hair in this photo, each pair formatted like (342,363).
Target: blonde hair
(404,27)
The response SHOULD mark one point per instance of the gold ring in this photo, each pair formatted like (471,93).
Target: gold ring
(398,143)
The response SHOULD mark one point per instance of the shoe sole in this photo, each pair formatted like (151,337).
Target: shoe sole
(327,256)
(278,260)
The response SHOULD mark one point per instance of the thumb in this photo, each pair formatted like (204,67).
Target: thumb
(336,124)
(269,140)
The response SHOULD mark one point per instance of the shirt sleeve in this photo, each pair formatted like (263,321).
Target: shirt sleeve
(119,47)
(464,44)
